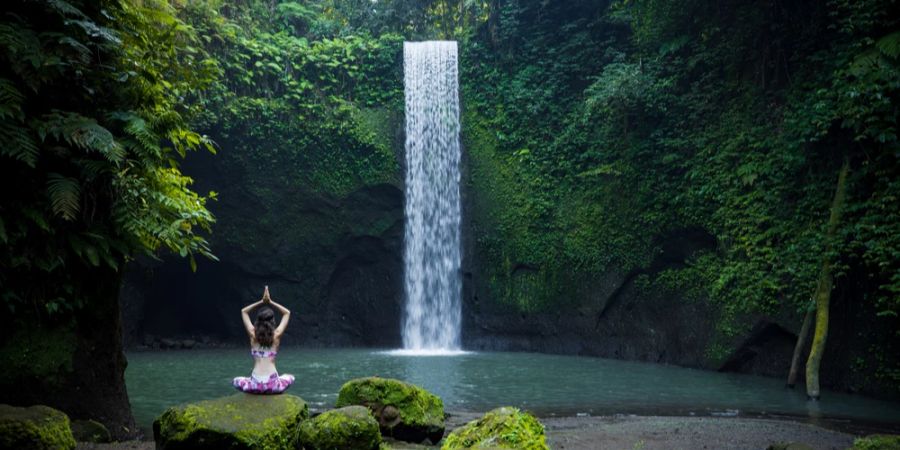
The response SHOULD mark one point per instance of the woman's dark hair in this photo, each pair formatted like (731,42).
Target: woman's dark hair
(265,327)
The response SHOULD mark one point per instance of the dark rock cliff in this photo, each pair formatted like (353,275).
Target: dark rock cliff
(332,257)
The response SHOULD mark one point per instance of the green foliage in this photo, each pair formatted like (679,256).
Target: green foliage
(305,111)
(596,129)
(91,117)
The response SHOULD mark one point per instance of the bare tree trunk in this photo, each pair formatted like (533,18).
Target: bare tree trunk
(823,289)
(802,339)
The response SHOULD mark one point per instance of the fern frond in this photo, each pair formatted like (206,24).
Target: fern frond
(92,168)
(65,195)
(141,131)
(65,8)
(865,61)
(17,143)
(96,31)
(23,50)
(166,121)
(82,132)
(10,101)
(78,51)
(890,45)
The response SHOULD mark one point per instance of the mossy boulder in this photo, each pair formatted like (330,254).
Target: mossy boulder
(90,431)
(347,428)
(502,428)
(789,446)
(877,442)
(240,421)
(34,428)
(404,411)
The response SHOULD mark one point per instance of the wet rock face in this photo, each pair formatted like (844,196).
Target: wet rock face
(611,316)
(767,349)
(336,263)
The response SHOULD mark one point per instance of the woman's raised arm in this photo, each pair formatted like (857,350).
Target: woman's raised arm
(285,314)
(245,316)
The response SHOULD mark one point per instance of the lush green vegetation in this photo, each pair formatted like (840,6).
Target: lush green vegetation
(293,100)
(595,132)
(615,125)
(93,120)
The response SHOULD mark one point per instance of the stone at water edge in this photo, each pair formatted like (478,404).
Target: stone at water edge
(90,431)
(877,442)
(501,428)
(240,421)
(347,428)
(34,428)
(404,411)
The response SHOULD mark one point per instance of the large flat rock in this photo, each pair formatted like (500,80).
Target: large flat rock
(240,421)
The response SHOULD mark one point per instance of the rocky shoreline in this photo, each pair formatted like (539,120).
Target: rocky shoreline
(640,432)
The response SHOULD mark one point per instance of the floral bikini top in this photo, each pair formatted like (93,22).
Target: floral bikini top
(258,353)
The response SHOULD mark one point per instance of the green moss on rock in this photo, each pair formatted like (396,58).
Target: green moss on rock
(789,446)
(877,442)
(34,428)
(502,428)
(404,411)
(347,428)
(240,421)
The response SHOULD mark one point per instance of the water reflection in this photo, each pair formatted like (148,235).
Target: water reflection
(438,374)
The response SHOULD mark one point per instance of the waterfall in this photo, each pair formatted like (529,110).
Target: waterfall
(432,241)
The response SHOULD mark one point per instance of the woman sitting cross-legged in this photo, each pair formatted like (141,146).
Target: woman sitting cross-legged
(264,340)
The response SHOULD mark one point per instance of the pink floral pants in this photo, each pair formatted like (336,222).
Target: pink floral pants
(274,384)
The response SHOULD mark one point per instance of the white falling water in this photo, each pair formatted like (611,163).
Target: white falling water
(432,243)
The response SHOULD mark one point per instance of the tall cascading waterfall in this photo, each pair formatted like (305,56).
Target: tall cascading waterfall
(432,240)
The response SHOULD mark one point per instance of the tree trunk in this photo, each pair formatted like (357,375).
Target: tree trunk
(76,364)
(823,289)
(802,339)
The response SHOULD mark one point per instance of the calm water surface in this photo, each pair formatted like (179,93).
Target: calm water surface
(544,384)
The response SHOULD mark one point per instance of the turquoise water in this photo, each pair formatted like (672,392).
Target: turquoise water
(544,384)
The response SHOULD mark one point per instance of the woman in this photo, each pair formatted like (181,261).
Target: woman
(264,341)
